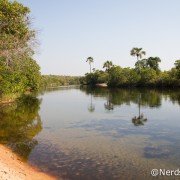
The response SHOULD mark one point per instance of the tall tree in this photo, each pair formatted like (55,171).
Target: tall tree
(18,72)
(16,37)
(107,65)
(90,60)
(150,63)
(153,63)
(138,52)
(142,64)
(177,64)
(177,70)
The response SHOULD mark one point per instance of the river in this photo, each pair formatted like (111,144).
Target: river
(96,134)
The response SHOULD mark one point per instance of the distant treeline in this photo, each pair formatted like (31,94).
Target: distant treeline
(129,77)
(146,73)
(55,80)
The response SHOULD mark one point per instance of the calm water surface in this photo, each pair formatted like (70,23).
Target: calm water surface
(95,134)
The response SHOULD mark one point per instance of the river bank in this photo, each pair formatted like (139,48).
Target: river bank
(7,99)
(11,167)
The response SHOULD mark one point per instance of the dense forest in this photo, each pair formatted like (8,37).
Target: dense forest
(146,73)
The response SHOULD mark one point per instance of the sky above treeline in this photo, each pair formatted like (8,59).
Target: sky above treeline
(69,31)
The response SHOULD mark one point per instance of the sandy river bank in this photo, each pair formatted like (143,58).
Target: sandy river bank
(12,168)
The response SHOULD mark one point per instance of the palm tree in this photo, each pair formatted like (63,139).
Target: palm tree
(90,60)
(138,53)
(108,65)
(177,64)
(153,63)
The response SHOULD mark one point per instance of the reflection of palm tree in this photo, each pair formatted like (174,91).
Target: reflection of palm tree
(139,120)
(91,107)
(108,105)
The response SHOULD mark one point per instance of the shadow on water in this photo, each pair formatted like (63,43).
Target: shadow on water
(19,124)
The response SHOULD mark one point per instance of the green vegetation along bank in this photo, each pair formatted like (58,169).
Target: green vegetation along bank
(56,80)
(146,73)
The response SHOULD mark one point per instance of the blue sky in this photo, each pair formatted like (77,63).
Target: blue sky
(72,30)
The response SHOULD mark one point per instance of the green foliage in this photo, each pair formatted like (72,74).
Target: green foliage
(95,78)
(32,74)
(137,52)
(55,80)
(123,77)
(91,78)
(116,76)
(12,82)
(153,63)
(108,65)
(148,77)
(150,63)
(177,64)
(18,71)
(14,30)
(132,76)
(146,73)
(141,64)
(103,77)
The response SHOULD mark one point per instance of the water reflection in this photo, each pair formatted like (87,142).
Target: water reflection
(175,96)
(109,105)
(140,119)
(91,106)
(19,124)
(117,97)
(82,145)
(78,144)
